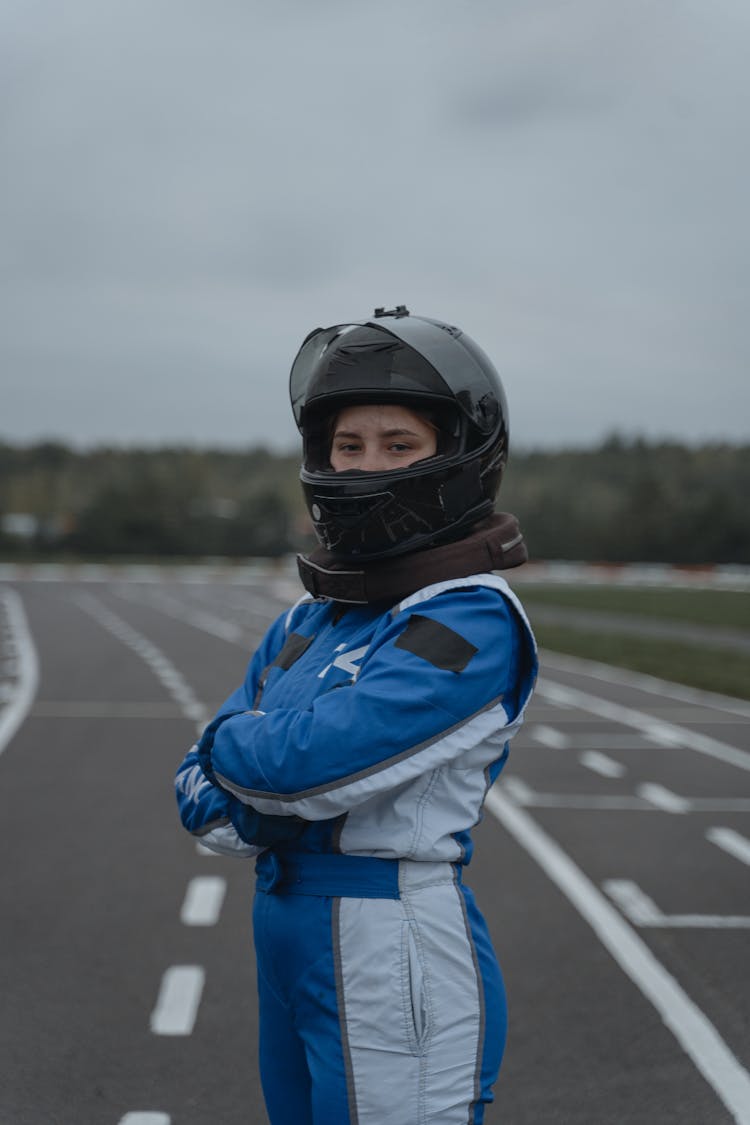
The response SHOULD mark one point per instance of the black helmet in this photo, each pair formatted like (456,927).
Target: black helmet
(429,367)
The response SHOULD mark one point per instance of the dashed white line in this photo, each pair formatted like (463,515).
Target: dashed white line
(21,696)
(690,1027)
(731,842)
(203,901)
(663,798)
(160,665)
(601,764)
(198,618)
(145,1117)
(549,736)
(178,1000)
(635,905)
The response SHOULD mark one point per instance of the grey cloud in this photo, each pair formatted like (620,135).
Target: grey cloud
(186,192)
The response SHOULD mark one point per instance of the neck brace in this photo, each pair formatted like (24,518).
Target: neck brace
(494,544)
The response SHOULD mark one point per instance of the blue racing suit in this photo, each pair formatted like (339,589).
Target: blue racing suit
(354,762)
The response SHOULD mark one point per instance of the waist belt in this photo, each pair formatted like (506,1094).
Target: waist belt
(332,875)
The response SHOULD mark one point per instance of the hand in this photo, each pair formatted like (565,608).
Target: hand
(206,740)
(200,803)
(261,828)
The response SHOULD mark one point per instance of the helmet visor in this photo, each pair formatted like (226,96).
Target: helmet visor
(463,365)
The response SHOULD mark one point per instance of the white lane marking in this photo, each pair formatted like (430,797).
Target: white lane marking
(254,573)
(104,709)
(203,901)
(690,1027)
(160,665)
(643,911)
(178,1000)
(652,685)
(145,1117)
(669,734)
(523,794)
(663,798)
(601,764)
(634,904)
(198,618)
(549,736)
(611,740)
(731,842)
(21,695)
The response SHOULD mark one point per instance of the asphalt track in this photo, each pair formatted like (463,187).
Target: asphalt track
(613,865)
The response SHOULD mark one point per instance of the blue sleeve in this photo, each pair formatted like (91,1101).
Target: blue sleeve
(206,810)
(200,804)
(441,678)
(243,698)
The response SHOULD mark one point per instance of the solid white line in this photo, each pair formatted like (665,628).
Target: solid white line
(601,764)
(178,1000)
(584,801)
(692,1030)
(145,1117)
(549,736)
(652,685)
(707,921)
(104,709)
(669,734)
(204,899)
(620,742)
(731,842)
(521,793)
(663,798)
(642,911)
(15,711)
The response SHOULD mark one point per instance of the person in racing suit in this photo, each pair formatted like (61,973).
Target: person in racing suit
(354,760)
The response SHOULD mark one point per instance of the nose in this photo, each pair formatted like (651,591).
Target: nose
(374,461)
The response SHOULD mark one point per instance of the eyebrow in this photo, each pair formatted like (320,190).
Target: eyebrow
(400,432)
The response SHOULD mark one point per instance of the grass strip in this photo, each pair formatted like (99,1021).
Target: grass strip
(696,666)
(728,609)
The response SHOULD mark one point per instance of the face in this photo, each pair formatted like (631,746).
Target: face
(379,438)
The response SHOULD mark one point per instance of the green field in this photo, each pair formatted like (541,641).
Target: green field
(698,662)
(725,609)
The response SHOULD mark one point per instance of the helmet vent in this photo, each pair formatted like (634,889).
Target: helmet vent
(400,310)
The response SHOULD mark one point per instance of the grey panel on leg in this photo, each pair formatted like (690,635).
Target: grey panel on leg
(412,1001)
(351,1094)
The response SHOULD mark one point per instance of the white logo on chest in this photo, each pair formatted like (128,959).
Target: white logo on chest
(345,661)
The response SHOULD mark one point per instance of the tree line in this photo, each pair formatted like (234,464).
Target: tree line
(621,501)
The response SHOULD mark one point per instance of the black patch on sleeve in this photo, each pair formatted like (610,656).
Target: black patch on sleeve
(294,646)
(436,643)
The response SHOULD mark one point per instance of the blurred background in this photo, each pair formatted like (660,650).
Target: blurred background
(188,189)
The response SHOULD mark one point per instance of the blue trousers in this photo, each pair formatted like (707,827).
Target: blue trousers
(381,1010)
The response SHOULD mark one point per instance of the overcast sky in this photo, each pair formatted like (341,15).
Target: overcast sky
(188,187)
